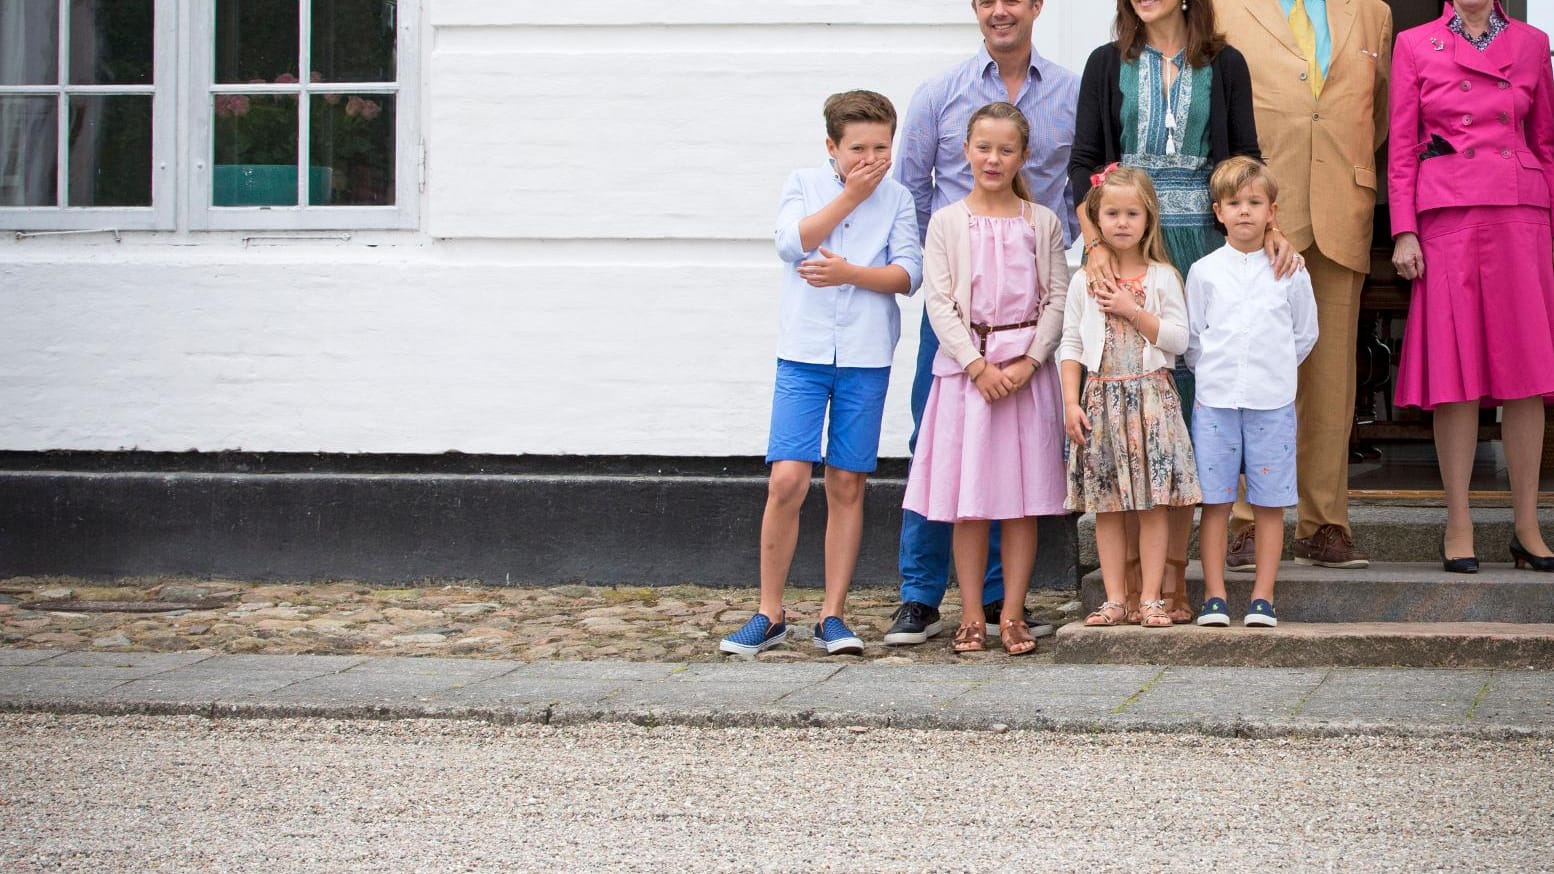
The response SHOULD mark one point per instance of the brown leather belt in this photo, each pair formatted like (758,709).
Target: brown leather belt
(982,329)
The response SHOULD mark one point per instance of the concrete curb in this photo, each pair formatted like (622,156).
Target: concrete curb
(1216,702)
(564,716)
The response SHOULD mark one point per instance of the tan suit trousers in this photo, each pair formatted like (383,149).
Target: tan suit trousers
(1324,401)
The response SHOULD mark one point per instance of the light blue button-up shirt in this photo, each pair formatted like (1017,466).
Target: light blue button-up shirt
(844,324)
(1316,10)
(931,160)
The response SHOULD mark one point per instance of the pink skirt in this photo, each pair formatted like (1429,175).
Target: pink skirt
(1002,460)
(1481,323)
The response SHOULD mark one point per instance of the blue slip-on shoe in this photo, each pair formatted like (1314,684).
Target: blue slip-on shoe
(1215,613)
(1260,615)
(757,635)
(833,636)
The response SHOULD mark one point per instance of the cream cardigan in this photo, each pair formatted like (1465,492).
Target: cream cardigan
(947,281)
(1084,325)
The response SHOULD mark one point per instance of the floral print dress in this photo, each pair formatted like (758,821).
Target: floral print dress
(1138,454)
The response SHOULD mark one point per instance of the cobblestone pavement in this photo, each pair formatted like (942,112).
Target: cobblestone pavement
(680,623)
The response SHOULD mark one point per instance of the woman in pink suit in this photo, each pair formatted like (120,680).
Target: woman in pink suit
(1472,168)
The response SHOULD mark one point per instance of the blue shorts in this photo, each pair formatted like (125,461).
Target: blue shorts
(1258,443)
(856,397)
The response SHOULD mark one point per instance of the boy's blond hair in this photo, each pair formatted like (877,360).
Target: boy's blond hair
(851,106)
(1234,174)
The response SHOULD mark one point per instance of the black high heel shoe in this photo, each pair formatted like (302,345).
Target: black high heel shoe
(1467,565)
(1523,558)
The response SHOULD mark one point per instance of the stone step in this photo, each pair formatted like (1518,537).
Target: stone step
(1384,592)
(1305,645)
(1384,532)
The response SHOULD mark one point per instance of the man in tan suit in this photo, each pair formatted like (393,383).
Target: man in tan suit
(1319,90)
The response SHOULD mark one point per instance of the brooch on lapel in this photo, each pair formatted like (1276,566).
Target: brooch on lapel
(1436,44)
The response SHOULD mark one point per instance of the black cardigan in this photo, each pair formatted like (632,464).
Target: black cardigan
(1098,123)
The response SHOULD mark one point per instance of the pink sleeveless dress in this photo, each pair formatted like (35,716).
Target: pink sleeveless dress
(1003,460)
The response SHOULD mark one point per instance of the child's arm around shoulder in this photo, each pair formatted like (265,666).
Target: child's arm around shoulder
(1172,336)
(1303,313)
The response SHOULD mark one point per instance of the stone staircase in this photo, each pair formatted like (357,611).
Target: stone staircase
(1403,610)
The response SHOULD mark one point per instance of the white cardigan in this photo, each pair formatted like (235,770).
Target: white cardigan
(1084,325)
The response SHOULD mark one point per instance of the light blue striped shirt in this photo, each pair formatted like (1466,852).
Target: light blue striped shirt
(931,160)
(1316,10)
(844,324)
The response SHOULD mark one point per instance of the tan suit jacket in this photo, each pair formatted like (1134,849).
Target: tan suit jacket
(1322,150)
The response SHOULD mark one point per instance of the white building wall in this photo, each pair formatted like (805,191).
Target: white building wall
(593,275)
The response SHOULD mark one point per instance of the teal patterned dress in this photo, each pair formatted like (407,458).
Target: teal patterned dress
(1169,140)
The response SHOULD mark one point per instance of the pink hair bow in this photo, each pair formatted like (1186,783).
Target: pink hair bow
(1097,178)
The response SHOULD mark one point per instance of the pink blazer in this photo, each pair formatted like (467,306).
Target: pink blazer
(1495,107)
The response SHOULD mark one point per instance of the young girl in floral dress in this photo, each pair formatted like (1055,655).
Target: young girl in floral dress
(1131,452)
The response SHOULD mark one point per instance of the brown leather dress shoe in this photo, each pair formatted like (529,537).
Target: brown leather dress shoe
(1329,546)
(1242,554)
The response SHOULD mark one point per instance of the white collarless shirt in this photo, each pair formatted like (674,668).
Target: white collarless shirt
(844,324)
(1247,331)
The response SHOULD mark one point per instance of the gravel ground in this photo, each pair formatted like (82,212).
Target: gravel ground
(184,794)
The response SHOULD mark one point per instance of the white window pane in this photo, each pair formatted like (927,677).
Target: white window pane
(353,41)
(111,42)
(256,40)
(110,150)
(353,135)
(29,42)
(29,159)
(255,150)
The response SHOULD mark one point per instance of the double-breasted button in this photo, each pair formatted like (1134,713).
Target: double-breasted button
(1467,86)
(1470,153)
(1467,119)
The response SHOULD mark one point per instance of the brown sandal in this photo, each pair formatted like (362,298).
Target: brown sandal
(1179,608)
(971,637)
(1108,614)
(1152,614)
(1015,637)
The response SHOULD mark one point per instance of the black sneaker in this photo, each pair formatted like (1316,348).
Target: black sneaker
(994,609)
(915,623)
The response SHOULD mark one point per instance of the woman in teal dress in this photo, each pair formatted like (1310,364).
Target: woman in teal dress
(1170,97)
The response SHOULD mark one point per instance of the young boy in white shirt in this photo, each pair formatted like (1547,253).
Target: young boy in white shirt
(1248,332)
(848,233)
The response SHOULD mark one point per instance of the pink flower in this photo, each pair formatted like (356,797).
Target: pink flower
(353,106)
(228,105)
(286,79)
(371,109)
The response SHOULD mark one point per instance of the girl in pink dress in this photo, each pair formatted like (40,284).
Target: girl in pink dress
(991,445)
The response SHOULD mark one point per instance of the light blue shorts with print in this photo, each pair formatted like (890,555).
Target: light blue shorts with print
(1258,443)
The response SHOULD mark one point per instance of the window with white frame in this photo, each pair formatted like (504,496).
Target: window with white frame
(294,114)
(84,118)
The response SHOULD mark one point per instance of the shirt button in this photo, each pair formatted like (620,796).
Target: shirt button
(1504,86)
(1505,118)
(1470,153)
(1467,119)
(1303,77)
(1505,153)
(1467,86)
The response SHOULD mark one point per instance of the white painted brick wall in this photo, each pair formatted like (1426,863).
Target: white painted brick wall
(594,274)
